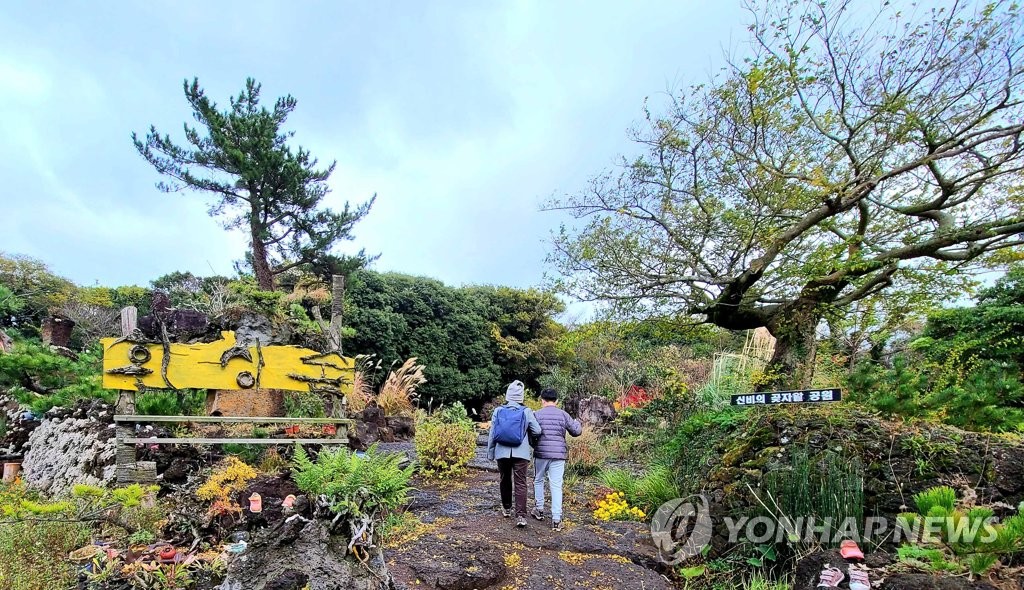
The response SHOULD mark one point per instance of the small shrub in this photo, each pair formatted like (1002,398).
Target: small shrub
(303,404)
(398,393)
(444,447)
(226,480)
(453,414)
(355,486)
(972,537)
(942,496)
(186,402)
(586,453)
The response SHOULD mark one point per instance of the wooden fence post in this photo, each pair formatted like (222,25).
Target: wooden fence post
(127,469)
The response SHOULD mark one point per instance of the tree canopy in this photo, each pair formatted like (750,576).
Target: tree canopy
(848,154)
(241,155)
(472,340)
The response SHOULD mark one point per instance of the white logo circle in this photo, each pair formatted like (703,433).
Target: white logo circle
(681,529)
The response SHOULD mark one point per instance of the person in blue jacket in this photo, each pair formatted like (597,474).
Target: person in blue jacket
(513,462)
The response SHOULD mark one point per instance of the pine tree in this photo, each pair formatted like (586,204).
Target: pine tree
(261,185)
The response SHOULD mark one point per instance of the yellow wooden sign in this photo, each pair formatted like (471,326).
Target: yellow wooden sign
(131,364)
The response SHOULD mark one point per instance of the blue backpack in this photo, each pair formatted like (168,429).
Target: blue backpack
(510,425)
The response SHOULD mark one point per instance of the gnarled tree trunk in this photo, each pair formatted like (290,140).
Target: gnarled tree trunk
(796,346)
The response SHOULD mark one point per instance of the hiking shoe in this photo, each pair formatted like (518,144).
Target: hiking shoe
(538,514)
(556,525)
(521,522)
(506,512)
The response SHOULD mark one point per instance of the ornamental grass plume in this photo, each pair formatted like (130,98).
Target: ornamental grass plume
(362,391)
(398,394)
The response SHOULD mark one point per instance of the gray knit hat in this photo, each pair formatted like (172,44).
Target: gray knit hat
(515,392)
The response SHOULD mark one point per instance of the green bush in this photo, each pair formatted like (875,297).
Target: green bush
(452,414)
(184,402)
(303,404)
(970,539)
(942,496)
(965,369)
(647,491)
(445,447)
(41,378)
(355,486)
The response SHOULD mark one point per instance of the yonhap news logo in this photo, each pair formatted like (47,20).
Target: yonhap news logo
(681,529)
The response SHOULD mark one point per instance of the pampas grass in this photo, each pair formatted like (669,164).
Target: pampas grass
(398,394)
(362,383)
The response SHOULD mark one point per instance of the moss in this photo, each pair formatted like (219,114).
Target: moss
(732,457)
(763,458)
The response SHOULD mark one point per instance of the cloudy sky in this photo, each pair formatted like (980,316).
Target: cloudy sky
(463,117)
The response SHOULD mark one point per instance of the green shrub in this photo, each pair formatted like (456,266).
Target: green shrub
(358,487)
(452,414)
(444,448)
(303,404)
(965,369)
(184,402)
(942,496)
(971,537)
(55,379)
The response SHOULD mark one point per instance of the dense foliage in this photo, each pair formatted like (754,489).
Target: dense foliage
(354,486)
(966,368)
(471,340)
(41,378)
(445,442)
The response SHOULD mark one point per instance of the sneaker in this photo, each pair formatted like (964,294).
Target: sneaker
(538,514)
(506,512)
(556,525)
(521,522)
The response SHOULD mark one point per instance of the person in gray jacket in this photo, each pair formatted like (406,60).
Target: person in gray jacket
(513,462)
(551,453)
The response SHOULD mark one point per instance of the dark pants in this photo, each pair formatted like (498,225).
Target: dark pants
(513,469)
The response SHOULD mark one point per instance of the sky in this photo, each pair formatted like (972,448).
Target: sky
(462,117)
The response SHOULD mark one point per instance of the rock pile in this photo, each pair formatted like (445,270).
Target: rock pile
(71,446)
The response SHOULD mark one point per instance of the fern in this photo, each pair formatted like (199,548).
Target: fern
(353,485)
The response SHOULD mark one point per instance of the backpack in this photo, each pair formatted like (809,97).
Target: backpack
(510,425)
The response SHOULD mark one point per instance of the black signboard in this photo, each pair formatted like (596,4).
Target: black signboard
(803,396)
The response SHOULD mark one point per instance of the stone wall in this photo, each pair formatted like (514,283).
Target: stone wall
(70,446)
(728,462)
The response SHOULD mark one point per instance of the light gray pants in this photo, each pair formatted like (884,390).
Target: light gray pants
(554,469)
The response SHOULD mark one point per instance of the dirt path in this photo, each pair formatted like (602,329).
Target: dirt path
(465,544)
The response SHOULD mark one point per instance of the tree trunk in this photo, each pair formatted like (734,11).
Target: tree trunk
(260,265)
(796,344)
